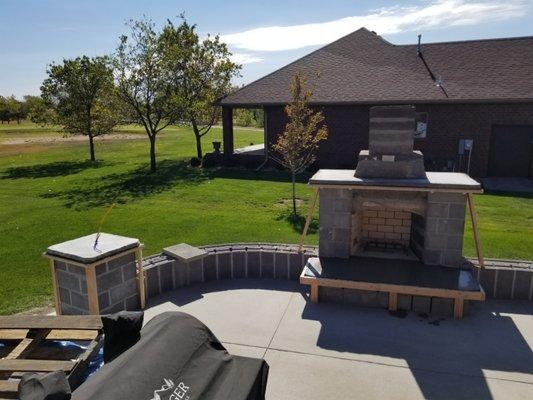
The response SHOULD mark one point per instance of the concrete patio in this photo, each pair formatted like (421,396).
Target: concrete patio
(318,351)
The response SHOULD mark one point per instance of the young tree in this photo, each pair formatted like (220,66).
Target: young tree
(80,93)
(202,71)
(144,82)
(295,147)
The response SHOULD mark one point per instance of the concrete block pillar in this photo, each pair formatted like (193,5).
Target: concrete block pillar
(445,222)
(335,223)
(97,274)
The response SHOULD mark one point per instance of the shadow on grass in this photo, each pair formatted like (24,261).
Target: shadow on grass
(50,170)
(297,221)
(250,174)
(131,185)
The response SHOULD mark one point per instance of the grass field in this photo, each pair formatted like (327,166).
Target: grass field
(49,193)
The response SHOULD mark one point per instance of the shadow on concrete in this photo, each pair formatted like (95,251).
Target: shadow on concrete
(50,170)
(189,294)
(449,360)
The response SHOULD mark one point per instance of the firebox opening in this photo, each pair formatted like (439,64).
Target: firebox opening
(385,233)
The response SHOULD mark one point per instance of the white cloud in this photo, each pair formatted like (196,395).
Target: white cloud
(390,20)
(243,58)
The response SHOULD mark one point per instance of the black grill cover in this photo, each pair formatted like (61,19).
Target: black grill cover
(177,358)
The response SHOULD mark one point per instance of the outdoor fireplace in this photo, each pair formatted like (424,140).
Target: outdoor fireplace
(390,206)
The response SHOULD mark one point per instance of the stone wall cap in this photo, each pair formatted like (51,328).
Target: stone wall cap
(83,249)
(443,181)
(184,252)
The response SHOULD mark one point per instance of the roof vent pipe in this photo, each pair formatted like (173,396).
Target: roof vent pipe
(418,51)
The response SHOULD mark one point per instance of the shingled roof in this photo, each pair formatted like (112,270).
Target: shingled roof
(362,67)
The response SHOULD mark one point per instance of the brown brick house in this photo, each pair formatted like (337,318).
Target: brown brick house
(478,90)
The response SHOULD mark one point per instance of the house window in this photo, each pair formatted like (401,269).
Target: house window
(421,125)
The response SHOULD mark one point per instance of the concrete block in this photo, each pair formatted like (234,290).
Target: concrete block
(504,284)
(267,265)
(405,302)
(108,280)
(281,262)
(114,308)
(196,274)
(437,210)
(76,269)
(103,300)
(224,265)
(152,282)
(83,285)
(296,265)
(68,281)
(441,306)
(487,278)
(421,304)
(101,269)
(123,291)
(180,271)
(165,276)
(253,264)
(184,252)
(60,265)
(330,294)
(210,268)
(129,271)
(120,261)
(451,227)
(522,284)
(70,310)
(132,303)
(64,295)
(366,298)
(453,258)
(239,264)
(457,210)
(79,300)
(454,242)
(443,197)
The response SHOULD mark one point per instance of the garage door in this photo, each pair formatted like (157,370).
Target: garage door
(511,151)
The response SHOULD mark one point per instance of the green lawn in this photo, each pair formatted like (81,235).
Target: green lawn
(49,193)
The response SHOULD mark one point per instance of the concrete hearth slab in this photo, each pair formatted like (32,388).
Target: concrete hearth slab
(451,181)
(184,252)
(318,351)
(87,249)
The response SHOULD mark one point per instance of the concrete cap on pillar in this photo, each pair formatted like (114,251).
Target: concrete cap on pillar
(87,249)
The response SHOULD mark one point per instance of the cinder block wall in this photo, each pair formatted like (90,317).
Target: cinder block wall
(232,261)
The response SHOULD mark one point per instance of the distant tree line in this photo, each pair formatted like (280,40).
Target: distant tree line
(14,110)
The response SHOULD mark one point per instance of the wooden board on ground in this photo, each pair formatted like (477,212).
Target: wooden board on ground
(31,332)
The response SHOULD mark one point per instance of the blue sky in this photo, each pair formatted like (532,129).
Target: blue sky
(263,35)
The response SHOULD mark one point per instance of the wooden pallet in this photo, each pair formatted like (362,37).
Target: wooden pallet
(27,333)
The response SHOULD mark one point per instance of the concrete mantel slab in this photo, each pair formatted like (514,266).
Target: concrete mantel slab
(88,250)
(435,181)
(184,252)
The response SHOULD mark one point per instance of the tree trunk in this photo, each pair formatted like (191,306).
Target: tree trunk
(293,195)
(198,139)
(91,146)
(153,166)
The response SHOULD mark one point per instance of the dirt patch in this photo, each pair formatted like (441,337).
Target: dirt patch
(288,202)
(63,139)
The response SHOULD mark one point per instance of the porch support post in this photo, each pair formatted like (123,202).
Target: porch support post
(227,133)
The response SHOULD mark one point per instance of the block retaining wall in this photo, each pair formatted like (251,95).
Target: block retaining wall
(501,279)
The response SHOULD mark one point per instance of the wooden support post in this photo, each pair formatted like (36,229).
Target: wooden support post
(57,300)
(308,220)
(314,293)
(92,291)
(473,217)
(140,278)
(393,301)
(458,306)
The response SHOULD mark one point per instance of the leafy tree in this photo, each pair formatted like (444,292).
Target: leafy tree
(295,147)
(36,110)
(144,82)
(14,108)
(202,71)
(4,111)
(81,94)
